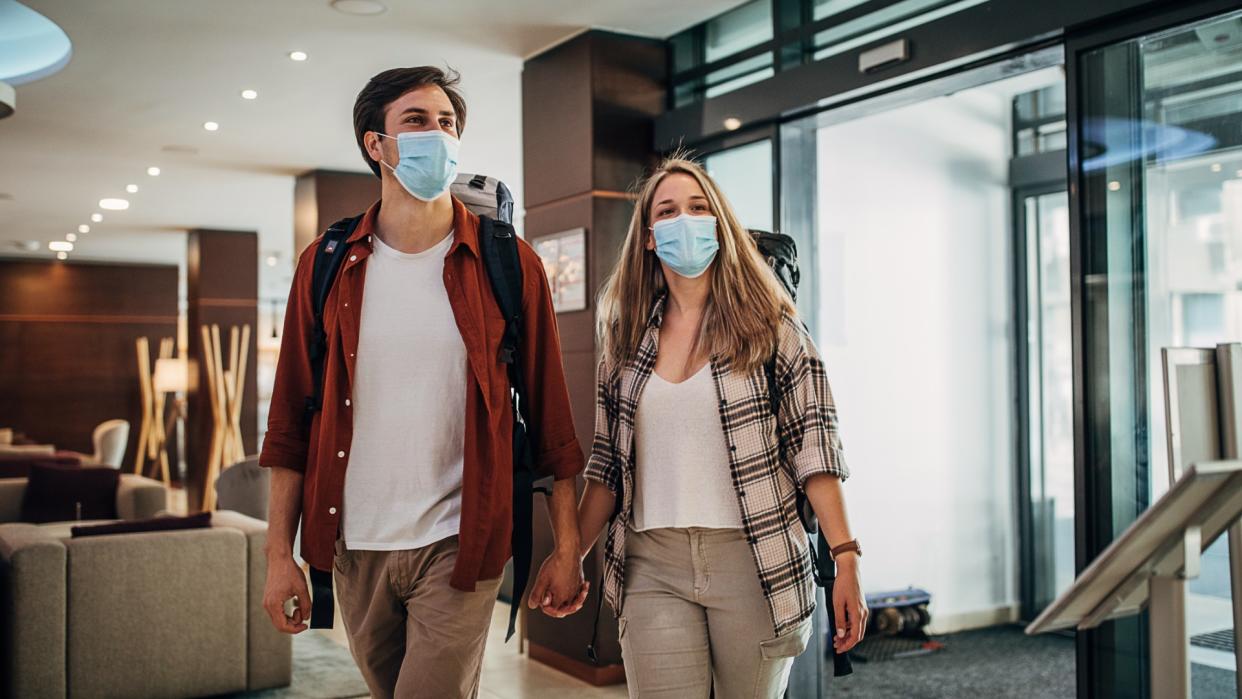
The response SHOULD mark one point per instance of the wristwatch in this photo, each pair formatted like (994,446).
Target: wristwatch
(848,546)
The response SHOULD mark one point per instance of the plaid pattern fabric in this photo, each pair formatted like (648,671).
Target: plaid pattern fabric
(769,456)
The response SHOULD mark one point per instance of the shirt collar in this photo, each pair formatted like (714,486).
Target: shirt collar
(465,227)
(656,318)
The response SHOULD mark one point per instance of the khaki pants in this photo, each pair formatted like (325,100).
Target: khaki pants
(694,618)
(410,633)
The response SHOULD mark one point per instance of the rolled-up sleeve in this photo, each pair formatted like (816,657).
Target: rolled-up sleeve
(807,416)
(557,452)
(603,466)
(287,440)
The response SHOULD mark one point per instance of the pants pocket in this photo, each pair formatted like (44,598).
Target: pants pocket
(791,644)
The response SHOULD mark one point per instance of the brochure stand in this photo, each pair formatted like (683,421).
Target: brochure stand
(1149,564)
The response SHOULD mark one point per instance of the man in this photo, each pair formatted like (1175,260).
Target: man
(403,478)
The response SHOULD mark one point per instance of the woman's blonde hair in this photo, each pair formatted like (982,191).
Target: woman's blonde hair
(746,301)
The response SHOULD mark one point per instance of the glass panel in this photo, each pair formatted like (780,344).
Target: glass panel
(744,174)
(914,313)
(1162,195)
(738,75)
(739,29)
(1051,393)
(897,17)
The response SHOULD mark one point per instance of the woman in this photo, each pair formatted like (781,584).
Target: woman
(706,560)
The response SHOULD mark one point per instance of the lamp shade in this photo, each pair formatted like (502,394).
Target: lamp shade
(171,375)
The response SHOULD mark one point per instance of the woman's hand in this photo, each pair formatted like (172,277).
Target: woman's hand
(849,605)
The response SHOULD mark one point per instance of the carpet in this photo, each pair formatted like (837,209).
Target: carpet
(322,669)
(995,662)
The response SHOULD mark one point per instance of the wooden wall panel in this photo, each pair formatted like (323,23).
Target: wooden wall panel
(222,285)
(588,111)
(67,357)
(323,197)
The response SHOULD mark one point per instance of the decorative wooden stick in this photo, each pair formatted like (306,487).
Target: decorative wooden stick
(144,384)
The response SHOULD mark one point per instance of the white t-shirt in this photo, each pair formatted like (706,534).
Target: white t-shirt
(403,483)
(682,458)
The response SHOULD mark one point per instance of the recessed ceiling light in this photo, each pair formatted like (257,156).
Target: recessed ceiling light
(131,188)
(249,94)
(62,255)
(211,126)
(1114,186)
(84,228)
(733,123)
(71,237)
(97,218)
(271,260)
(60,246)
(153,171)
(1216,167)
(114,204)
(359,7)
(298,56)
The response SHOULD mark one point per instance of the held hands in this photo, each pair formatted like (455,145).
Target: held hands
(848,604)
(560,588)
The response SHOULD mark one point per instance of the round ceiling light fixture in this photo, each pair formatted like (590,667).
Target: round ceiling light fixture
(131,188)
(97,218)
(62,255)
(359,7)
(153,171)
(60,246)
(71,237)
(112,204)
(211,126)
(298,56)
(249,94)
(84,228)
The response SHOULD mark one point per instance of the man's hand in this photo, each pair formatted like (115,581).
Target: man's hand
(560,588)
(284,580)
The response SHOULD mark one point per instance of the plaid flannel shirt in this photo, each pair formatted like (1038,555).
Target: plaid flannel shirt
(770,454)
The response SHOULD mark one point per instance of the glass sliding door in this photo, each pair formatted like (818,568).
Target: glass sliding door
(1159,164)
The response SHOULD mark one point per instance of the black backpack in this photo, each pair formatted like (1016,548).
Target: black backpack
(491,200)
(781,253)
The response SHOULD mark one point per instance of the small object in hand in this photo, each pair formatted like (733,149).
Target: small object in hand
(291,606)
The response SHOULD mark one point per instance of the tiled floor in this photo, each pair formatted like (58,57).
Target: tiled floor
(507,674)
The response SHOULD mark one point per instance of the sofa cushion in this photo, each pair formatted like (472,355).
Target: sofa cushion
(59,493)
(136,526)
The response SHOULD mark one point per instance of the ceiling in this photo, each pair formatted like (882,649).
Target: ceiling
(146,74)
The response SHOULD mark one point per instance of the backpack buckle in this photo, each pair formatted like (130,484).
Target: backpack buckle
(507,354)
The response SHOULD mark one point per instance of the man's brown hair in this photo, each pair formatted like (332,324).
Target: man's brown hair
(385,88)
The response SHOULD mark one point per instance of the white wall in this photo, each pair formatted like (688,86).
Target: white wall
(915,325)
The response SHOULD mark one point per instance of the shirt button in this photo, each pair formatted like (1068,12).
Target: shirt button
(352,258)
(346,402)
(347,305)
(341,454)
(331,510)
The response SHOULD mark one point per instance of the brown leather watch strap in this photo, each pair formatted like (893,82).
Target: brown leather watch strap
(848,546)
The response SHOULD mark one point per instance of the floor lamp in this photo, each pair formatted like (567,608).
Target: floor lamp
(172,376)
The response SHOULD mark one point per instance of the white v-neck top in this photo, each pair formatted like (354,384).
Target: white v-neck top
(682,458)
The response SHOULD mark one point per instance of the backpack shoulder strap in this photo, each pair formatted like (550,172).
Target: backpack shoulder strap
(499,249)
(327,264)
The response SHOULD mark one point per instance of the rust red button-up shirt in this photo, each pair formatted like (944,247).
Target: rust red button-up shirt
(322,454)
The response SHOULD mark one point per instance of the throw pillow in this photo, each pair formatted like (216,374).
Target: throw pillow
(61,494)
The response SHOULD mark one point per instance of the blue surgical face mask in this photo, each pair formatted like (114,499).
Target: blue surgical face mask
(427,164)
(687,244)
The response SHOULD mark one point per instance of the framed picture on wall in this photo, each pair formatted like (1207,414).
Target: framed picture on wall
(564,258)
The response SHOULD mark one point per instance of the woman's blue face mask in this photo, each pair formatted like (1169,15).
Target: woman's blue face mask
(686,244)
(427,162)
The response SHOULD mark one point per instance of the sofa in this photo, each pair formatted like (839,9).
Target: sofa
(154,614)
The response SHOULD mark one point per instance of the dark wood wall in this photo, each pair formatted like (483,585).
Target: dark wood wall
(323,197)
(588,108)
(67,355)
(222,288)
